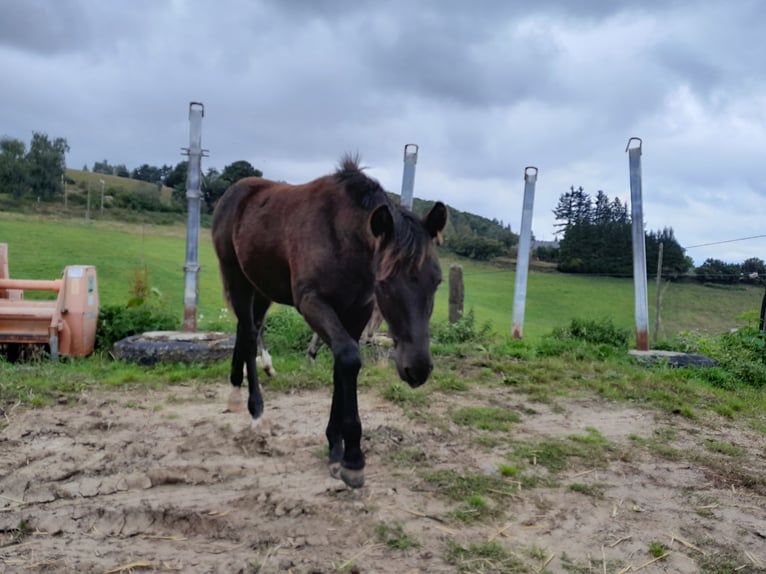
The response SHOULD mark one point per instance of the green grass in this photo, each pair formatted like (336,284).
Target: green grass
(554,298)
(459,486)
(394,536)
(483,558)
(593,490)
(590,450)
(724,448)
(38,249)
(476,508)
(486,418)
(41,246)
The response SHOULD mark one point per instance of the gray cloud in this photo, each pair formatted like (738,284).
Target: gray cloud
(485,88)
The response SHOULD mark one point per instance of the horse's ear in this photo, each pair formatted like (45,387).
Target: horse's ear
(436,220)
(382,223)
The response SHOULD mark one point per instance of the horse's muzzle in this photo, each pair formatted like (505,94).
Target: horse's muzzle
(416,375)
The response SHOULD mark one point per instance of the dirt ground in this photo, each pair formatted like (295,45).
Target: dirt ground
(165,481)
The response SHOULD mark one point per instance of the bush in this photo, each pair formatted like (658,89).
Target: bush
(115,322)
(475,247)
(462,331)
(601,332)
(741,354)
(286,331)
(145,311)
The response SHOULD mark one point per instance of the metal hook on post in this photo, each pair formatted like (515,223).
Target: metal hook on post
(640,143)
(412,153)
(192,105)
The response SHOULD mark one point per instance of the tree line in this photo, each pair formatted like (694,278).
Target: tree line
(214,182)
(597,239)
(37,171)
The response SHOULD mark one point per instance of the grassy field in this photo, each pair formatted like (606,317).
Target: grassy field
(40,247)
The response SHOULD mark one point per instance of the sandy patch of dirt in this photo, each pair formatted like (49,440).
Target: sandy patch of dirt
(155,481)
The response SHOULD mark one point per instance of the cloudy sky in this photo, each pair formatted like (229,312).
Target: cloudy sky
(485,87)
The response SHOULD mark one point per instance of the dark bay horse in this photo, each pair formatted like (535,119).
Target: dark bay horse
(330,248)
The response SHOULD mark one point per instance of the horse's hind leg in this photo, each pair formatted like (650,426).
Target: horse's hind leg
(313,349)
(266,364)
(250,309)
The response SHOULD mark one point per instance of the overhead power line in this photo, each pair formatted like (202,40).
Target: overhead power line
(725,241)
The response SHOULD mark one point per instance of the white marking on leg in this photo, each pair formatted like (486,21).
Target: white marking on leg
(235,403)
(256,423)
(266,363)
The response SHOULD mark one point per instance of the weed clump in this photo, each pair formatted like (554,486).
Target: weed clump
(598,332)
(464,330)
(145,311)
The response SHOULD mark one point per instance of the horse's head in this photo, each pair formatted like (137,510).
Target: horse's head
(407,276)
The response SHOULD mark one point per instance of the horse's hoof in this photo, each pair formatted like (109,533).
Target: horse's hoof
(352,478)
(235,404)
(335,469)
(255,424)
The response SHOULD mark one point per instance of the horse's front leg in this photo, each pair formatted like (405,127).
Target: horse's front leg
(344,429)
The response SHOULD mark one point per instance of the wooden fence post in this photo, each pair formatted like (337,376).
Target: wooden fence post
(456,293)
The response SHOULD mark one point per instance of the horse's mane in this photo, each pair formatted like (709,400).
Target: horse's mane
(366,192)
(408,248)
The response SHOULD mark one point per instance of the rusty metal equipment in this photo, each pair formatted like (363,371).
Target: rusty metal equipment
(67,324)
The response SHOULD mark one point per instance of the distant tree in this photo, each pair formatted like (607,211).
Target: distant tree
(147,172)
(14,176)
(103,167)
(121,170)
(598,238)
(239,169)
(475,247)
(754,265)
(547,253)
(717,271)
(619,211)
(573,207)
(602,209)
(213,187)
(46,161)
(85,167)
(176,177)
(214,184)
(164,172)
(674,260)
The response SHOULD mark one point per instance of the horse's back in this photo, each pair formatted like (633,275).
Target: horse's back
(292,238)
